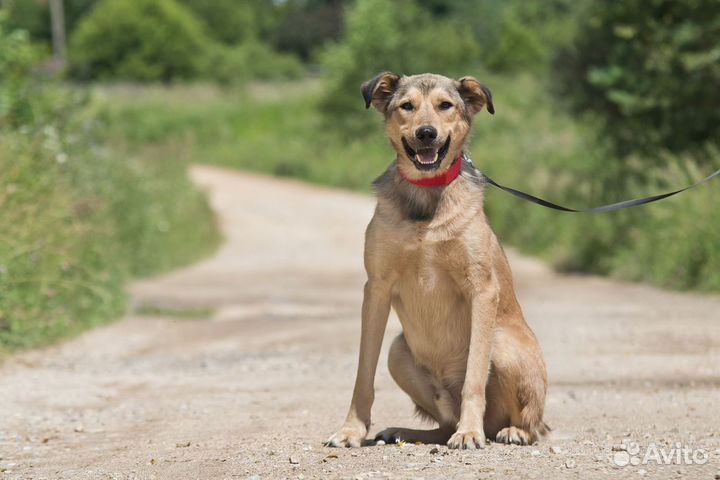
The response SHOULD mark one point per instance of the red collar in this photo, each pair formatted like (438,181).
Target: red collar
(439,181)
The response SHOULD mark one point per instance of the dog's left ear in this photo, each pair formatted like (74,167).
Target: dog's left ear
(475,95)
(378,91)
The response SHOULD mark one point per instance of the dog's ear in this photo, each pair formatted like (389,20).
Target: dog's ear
(379,90)
(475,95)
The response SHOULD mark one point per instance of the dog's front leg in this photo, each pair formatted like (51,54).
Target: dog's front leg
(375,311)
(470,433)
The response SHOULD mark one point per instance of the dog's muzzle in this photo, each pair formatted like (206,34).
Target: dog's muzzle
(426,158)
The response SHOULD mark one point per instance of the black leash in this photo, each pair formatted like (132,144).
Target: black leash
(605,208)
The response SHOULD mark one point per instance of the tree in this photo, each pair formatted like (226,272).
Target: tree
(34,16)
(232,22)
(152,40)
(649,69)
(57,21)
(305,26)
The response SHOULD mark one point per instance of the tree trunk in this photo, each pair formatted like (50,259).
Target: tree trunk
(57,19)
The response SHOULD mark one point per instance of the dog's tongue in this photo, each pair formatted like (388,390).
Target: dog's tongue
(426,156)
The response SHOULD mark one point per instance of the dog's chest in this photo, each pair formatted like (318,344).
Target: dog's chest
(429,301)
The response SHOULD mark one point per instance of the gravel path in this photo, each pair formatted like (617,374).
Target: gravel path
(253,388)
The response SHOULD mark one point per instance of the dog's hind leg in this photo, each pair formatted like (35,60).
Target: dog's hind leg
(516,389)
(432,402)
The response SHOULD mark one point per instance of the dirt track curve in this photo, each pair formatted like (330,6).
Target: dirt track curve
(252,390)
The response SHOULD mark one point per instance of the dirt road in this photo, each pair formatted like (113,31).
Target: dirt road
(253,389)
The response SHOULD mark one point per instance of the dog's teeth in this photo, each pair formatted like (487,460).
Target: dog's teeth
(420,159)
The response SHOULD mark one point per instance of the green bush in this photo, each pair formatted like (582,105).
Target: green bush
(33,16)
(528,144)
(649,70)
(527,34)
(675,243)
(81,214)
(251,61)
(304,26)
(59,269)
(16,96)
(146,40)
(78,222)
(229,21)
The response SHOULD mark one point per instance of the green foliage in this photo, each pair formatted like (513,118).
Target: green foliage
(57,258)
(676,245)
(148,40)
(389,35)
(80,213)
(528,144)
(33,16)
(649,70)
(229,21)
(303,26)
(528,33)
(78,221)
(160,219)
(16,58)
(251,61)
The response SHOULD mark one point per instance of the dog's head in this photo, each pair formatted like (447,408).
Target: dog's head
(427,117)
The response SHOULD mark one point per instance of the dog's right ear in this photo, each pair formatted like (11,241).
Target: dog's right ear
(379,90)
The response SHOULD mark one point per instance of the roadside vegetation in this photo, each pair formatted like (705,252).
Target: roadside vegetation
(81,213)
(555,133)
(595,104)
(530,144)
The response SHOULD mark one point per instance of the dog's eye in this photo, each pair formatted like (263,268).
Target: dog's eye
(407,106)
(445,106)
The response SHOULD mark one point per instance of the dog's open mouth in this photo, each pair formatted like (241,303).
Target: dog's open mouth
(426,158)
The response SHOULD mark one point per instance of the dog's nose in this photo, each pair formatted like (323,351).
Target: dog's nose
(426,133)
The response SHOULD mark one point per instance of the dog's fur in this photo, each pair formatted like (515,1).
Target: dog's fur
(466,357)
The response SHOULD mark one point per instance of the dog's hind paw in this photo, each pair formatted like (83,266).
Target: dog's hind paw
(390,435)
(513,435)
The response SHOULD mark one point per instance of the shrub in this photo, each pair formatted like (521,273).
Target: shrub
(150,40)
(303,27)
(527,34)
(78,218)
(229,21)
(33,16)
(251,61)
(78,222)
(59,268)
(675,243)
(16,97)
(649,70)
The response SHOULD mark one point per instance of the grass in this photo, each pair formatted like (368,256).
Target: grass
(83,215)
(529,144)
(173,312)
(259,129)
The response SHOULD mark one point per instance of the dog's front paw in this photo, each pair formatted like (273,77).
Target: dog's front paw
(467,440)
(348,436)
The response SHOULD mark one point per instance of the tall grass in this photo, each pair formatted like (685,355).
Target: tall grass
(80,217)
(530,144)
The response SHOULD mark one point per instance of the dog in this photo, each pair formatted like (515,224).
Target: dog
(466,357)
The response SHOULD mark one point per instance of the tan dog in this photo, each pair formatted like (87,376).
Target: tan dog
(466,356)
